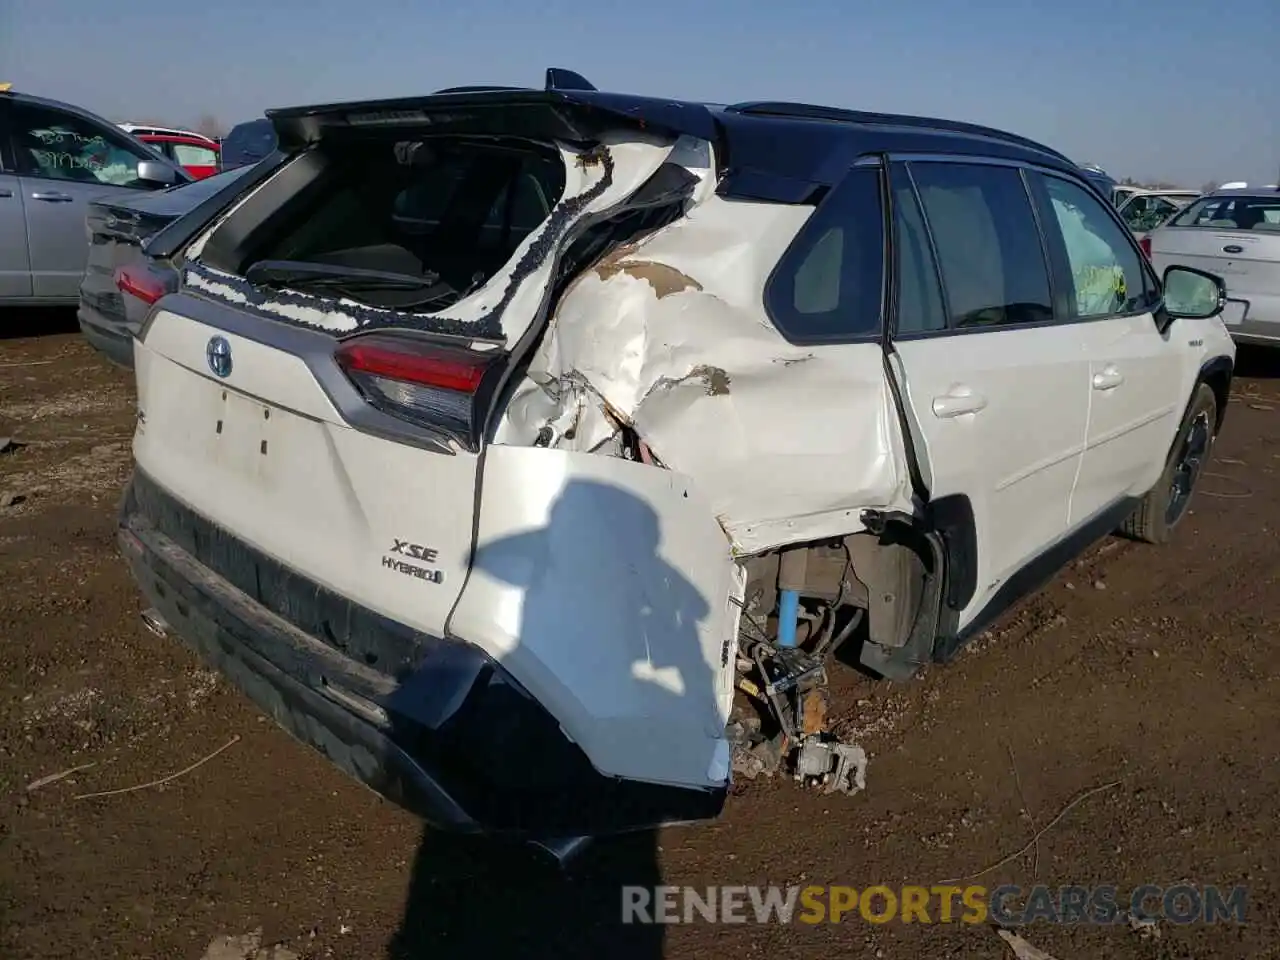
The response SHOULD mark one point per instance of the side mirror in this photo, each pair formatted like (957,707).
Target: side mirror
(153,171)
(1192,294)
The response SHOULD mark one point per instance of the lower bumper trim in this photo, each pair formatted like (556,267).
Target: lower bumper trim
(452,737)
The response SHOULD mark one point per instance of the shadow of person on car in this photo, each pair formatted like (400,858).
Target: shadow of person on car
(605,619)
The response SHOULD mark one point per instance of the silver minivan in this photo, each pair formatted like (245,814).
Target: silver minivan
(54,160)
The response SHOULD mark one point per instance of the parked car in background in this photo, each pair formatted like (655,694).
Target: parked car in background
(1234,233)
(247,143)
(1101,181)
(1121,193)
(1144,209)
(55,159)
(141,130)
(196,154)
(121,282)
(460,455)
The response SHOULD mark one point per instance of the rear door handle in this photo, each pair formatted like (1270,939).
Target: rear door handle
(1108,379)
(52,197)
(957,402)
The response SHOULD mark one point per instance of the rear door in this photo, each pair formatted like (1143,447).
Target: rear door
(996,384)
(15,265)
(1137,376)
(64,161)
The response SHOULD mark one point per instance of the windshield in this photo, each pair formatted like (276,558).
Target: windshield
(1233,213)
(1147,212)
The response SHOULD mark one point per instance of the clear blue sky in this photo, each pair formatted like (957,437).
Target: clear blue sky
(1185,90)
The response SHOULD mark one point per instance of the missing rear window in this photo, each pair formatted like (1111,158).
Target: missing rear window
(407,224)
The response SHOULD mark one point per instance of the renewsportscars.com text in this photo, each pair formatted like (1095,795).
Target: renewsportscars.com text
(1006,905)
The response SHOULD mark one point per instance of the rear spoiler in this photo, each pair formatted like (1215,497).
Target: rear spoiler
(568,108)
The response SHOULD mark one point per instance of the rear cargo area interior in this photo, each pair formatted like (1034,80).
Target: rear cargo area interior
(451,211)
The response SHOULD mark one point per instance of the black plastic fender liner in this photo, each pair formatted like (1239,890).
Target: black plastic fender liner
(952,517)
(1218,373)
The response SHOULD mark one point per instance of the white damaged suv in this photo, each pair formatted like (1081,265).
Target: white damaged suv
(492,441)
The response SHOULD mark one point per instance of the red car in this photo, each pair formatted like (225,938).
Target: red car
(197,155)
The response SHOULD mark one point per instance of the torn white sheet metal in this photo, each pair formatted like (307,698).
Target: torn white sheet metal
(787,443)
(509,302)
(607,588)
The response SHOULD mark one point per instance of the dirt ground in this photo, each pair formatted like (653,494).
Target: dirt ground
(1154,667)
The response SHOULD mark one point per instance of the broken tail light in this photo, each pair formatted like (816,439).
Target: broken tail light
(139,282)
(439,387)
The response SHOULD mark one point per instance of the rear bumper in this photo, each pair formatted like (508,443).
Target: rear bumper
(451,737)
(111,337)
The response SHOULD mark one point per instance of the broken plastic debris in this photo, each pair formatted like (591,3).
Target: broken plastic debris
(839,767)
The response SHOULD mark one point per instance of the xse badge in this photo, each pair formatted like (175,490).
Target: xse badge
(414,551)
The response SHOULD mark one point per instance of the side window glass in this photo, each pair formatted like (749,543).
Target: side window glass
(420,207)
(920,306)
(190,155)
(1147,213)
(989,250)
(529,207)
(62,146)
(828,287)
(1106,269)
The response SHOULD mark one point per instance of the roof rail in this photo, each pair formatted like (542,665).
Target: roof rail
(559,78)
(809,111)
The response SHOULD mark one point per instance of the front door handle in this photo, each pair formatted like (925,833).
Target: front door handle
(5,192)
(52,197)
(957,402)
(1107,379)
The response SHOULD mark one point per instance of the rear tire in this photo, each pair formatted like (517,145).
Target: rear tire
(1164,506)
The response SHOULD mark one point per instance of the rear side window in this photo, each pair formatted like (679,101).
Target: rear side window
(829,285)
(920,306)
(1107,277)
(989,249)
(1232,213)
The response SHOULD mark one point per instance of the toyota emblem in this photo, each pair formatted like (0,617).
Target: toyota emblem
(218,353)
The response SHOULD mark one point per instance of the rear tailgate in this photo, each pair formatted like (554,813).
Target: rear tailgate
(268,455)
(284,452)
